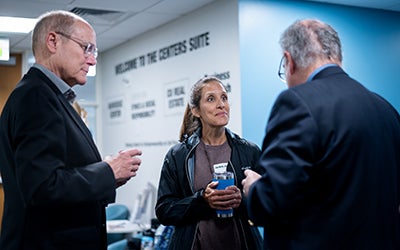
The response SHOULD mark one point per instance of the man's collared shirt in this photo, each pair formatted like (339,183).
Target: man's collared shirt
(315,72)
(60,84)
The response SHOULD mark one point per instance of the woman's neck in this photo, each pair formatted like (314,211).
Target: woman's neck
(213,137)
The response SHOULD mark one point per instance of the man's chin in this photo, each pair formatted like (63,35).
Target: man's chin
(81,82)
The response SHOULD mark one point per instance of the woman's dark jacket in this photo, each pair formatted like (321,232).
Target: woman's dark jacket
(178,204)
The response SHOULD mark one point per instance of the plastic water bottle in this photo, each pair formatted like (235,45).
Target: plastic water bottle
(158,235)
(225,179)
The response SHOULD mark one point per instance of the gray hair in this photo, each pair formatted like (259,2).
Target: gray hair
(307,40)
(57,20)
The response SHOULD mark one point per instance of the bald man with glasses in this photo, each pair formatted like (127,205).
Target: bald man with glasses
(55,182)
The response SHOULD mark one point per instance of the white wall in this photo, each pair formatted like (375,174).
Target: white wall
(136,101)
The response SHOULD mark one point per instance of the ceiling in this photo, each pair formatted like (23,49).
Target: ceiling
(115,21)
(118,21)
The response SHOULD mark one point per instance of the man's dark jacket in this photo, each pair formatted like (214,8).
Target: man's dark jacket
(332,161)
(55,185)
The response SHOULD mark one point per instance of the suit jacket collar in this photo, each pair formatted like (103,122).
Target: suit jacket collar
(70,111)
(61,85)
(328,71)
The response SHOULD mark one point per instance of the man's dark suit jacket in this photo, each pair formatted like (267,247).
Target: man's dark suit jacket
(56,187)
(332,161)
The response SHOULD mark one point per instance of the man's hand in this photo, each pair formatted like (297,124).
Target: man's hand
(124,165)
(251,177)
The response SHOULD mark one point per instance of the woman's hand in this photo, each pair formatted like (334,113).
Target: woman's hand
(222,199)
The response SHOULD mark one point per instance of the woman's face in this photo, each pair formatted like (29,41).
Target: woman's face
(213,110)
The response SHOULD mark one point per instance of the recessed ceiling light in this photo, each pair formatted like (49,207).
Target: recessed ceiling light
(16,24)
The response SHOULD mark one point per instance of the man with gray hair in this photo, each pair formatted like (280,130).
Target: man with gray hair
(56,184)
(330,153)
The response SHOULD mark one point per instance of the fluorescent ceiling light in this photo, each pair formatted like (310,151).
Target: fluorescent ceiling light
(16,24)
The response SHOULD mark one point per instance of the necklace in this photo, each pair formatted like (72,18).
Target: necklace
(208,159)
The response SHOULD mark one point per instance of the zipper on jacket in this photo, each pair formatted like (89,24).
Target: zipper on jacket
(191,182)
(195,234)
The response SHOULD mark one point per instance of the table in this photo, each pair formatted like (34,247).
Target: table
(122,226)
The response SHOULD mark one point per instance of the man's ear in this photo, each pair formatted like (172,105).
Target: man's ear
(290,64)
(52,42)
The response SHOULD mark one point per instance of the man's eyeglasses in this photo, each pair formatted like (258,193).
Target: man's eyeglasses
(88,48)
(281,70)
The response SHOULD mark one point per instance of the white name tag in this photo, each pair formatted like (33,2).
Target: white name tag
(220,167)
